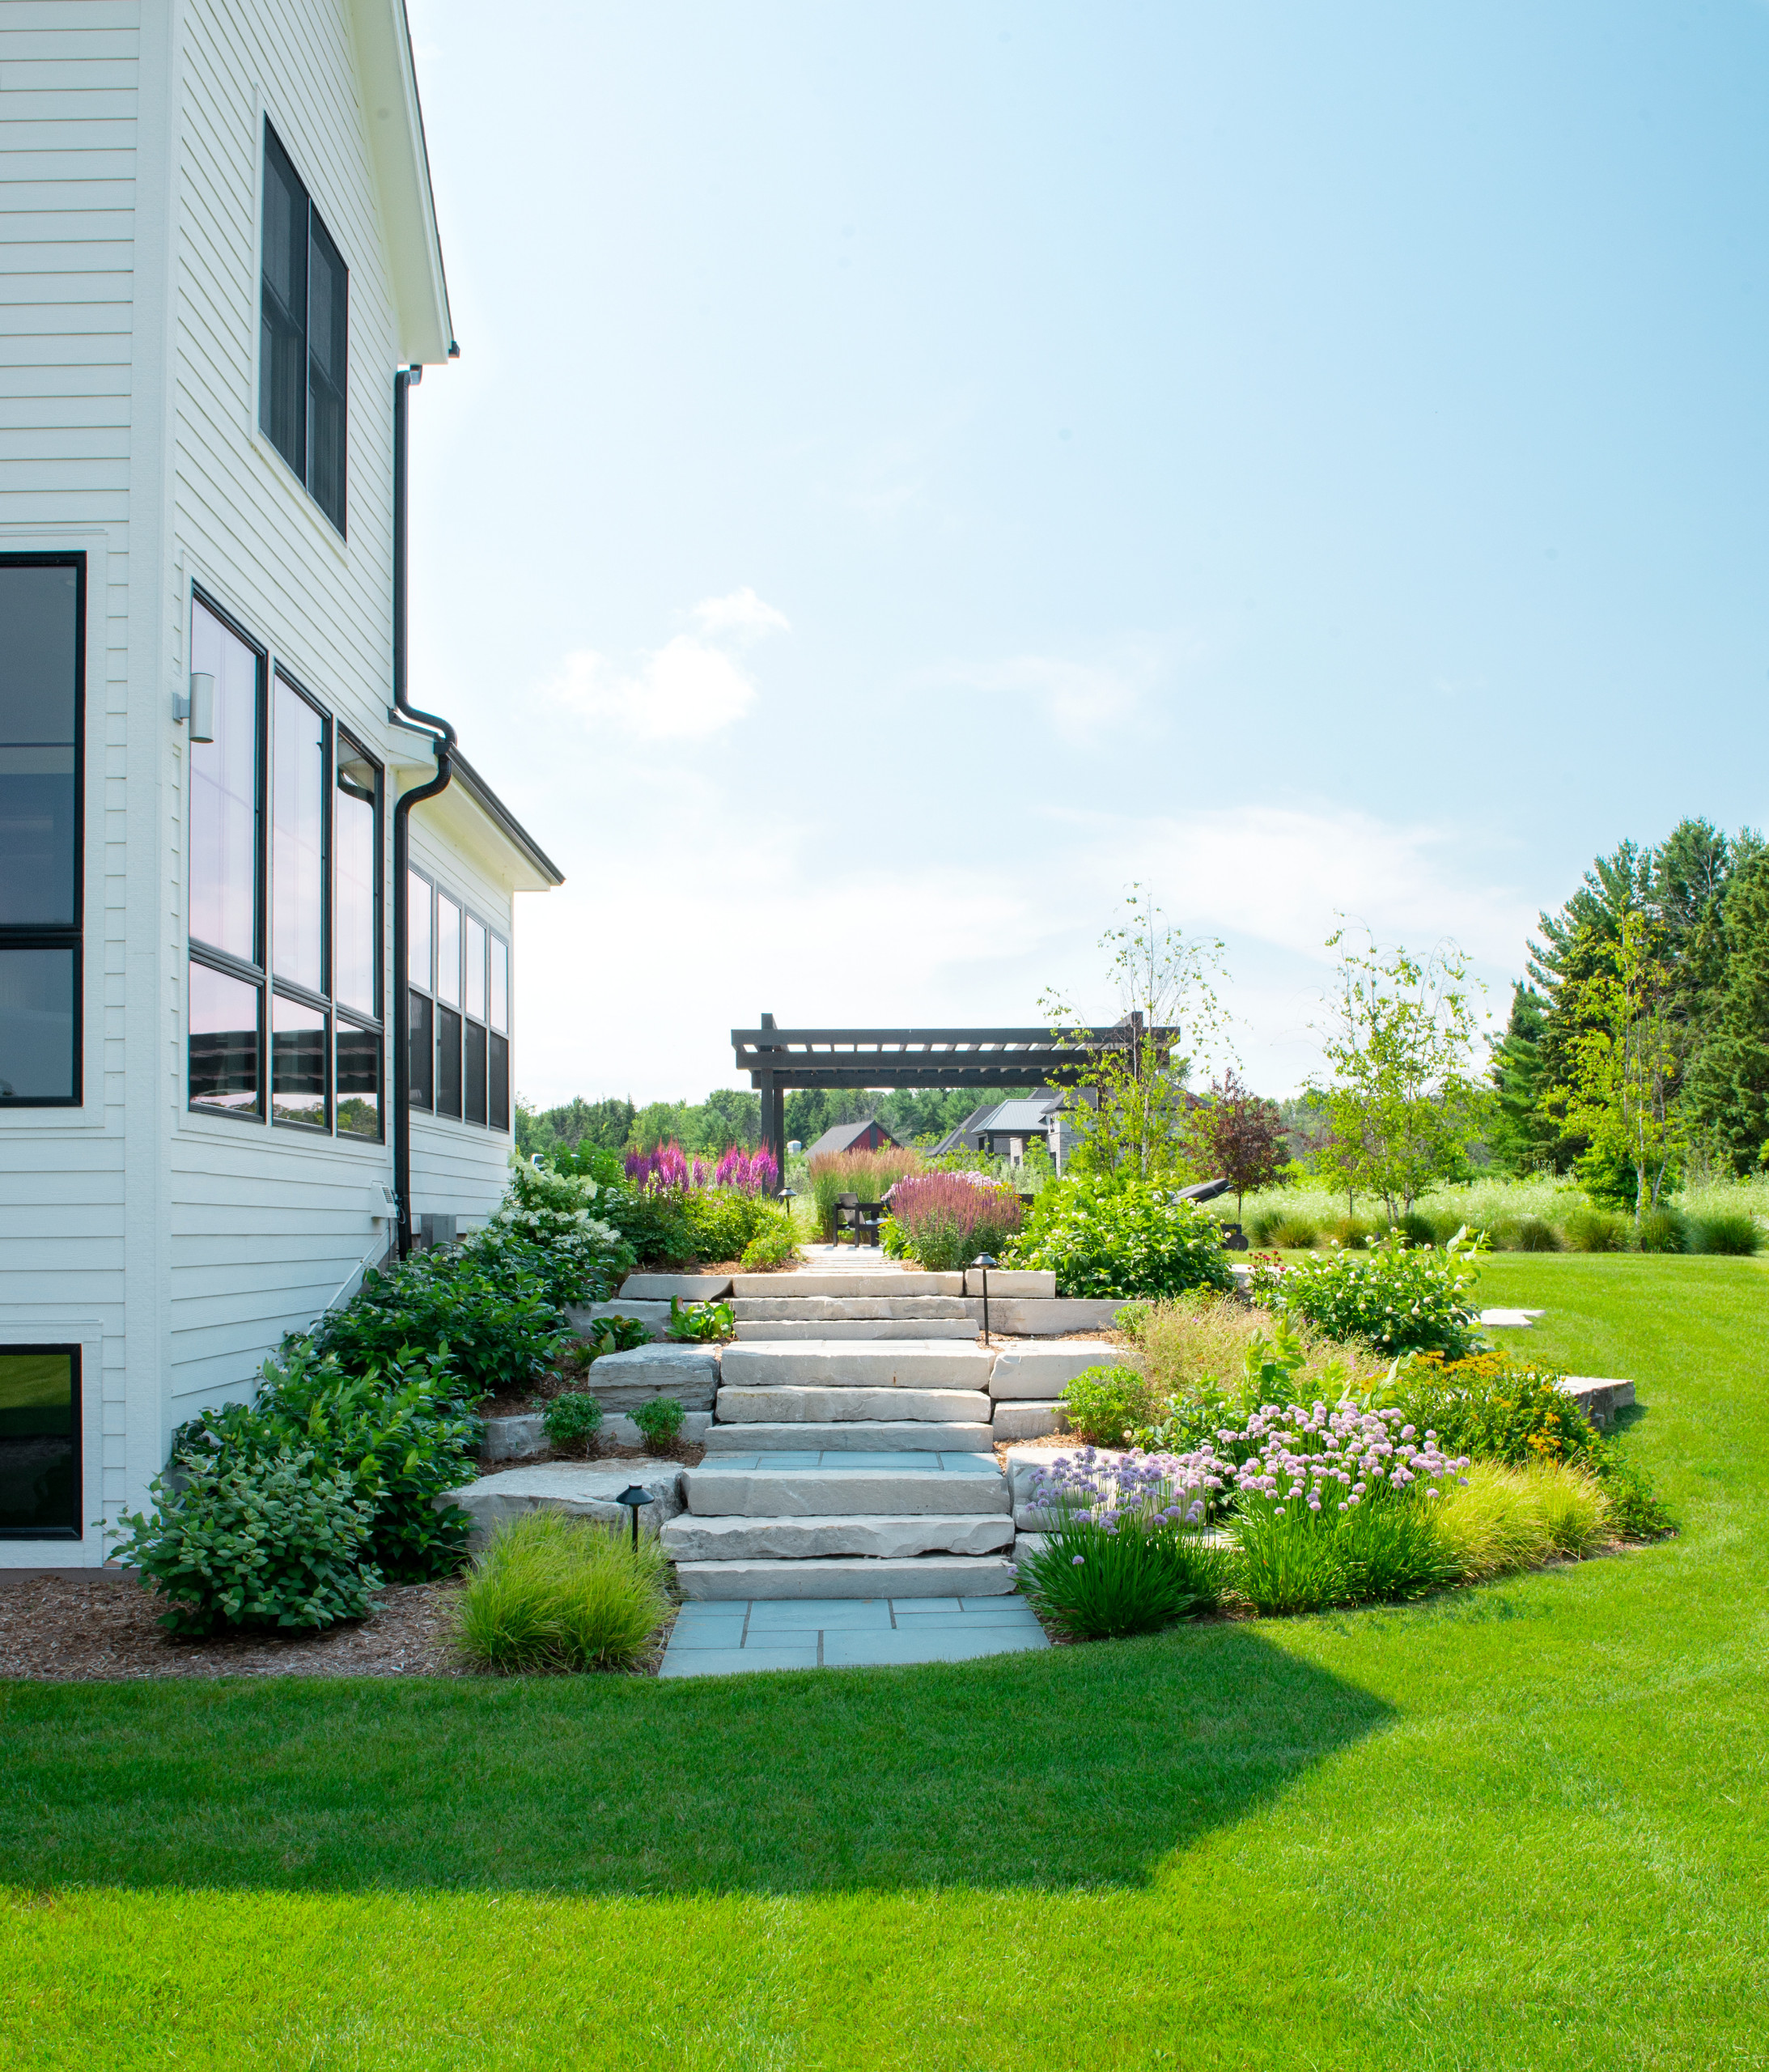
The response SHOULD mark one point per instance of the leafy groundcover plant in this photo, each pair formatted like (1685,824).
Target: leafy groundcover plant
(1126,1552)
(947,1220)
(775,1245)
(554,1593)
(1121,1237)
(700,1323)
(1397,1296)
(659,1423)
(283,1541)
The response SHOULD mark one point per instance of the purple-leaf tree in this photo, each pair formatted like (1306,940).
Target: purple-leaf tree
(1239,1136)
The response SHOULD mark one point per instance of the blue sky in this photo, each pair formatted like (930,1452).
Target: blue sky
(913,469)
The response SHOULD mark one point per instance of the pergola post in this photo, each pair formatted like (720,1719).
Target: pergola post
(773,1108)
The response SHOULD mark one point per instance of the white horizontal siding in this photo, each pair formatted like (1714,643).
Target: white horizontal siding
(68,83)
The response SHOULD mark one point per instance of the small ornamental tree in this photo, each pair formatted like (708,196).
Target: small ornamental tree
(1240,1137)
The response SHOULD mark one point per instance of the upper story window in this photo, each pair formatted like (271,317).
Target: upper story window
(457,1011)
(305,334)
(42,713)
(285,905)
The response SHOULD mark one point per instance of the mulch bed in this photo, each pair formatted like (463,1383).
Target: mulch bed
(85,1628)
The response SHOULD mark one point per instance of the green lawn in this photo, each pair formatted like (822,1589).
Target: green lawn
(1522,1826)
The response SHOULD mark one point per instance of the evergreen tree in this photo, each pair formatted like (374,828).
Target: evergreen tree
(1520,1138)
(1729,1084)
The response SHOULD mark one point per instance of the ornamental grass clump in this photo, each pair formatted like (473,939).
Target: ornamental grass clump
(1497,1520)
(552,1593)
(946,1220)
(1334,1507)
(868,1175)
(1126,1551)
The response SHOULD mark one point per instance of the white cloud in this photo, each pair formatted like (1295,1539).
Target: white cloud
(685,690)
(742,613)
(1078,699)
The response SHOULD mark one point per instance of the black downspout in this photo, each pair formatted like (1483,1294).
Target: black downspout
(399,1019)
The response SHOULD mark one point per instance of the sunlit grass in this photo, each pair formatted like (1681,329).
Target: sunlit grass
(1520,1825)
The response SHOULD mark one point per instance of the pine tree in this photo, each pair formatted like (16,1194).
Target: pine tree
(1520,1137)
(1729,1084)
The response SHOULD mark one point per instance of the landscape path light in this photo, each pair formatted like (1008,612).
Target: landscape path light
(982,1262)
(633,1495)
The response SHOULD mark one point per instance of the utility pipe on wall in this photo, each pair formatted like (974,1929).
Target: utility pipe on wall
(398,1020)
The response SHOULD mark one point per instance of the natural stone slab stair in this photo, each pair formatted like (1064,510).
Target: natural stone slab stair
(878,1280)
(849,1404)
(752,1309)
(836,1327)
(581,1489)
(685,1287)
(926,1575)
(839,1363)
(1021,1420)
(895,1435)
(623,1381)
(816,1484)
(878,1536)
(1043,1371)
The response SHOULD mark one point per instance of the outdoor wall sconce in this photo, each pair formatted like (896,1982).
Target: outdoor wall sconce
(633,1496)
(982,1262)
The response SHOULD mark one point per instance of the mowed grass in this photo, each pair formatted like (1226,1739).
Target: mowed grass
(1526,1825)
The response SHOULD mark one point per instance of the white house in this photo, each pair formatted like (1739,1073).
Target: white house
(224,1034)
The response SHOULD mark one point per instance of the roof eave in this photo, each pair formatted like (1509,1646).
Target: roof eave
(396,128)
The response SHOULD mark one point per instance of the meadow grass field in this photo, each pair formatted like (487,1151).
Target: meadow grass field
(1522,1825)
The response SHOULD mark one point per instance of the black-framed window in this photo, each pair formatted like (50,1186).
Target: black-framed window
(457,1007)
(39,1442)
(42,818)
(304,335)
(285,984)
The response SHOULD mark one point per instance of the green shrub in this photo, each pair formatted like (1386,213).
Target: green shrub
(1662,1230)
(282,1541)
(654,1225)
(1535,1233)
(1353,1231)
(609,1335)
(1417,1229)
(1732,1231)
(1104,1405)
(1595,1230)
(1124,1554)
(1399,1298)
(1117,1237)
(660,1421)
(572,1423)
(774,1246)
(403,1436)
(549,1226)
(496,1320)
(724,1222)
(551,1592)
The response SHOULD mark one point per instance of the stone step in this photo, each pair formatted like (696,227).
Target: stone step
(846,1406)
(585,1489)
(1043,1371)
(520,1437)
(841,1363)
(1037,1317)
(748,1309)
(685,1287)
(1007,1281)
(891,1436)
(926,1575)
(1019,1418)
(831,1280)
(583,1318)
(623,1381)
(878,1536)
(949,1485)
(778,1330)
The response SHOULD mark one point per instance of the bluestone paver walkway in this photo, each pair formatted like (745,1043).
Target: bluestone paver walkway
(715,1639)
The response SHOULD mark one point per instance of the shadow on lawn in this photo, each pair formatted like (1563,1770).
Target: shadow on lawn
(1084,1767)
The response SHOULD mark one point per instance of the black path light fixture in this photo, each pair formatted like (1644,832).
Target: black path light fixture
(633,1495)
(982,1262)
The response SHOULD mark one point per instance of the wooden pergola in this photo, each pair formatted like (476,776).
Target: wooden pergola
(778,1059)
